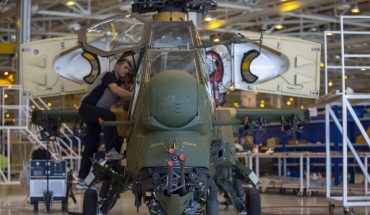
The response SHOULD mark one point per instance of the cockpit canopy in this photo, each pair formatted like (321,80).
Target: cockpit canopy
(172,35)
(115,35)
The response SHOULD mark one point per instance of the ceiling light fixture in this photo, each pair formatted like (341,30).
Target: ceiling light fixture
(208,18)
(289,6)
(279,27)
(216,40)
(214,24)
(355,9)
(343,5)
(71,3)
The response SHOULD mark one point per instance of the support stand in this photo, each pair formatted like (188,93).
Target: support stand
(48,195)
(44,171)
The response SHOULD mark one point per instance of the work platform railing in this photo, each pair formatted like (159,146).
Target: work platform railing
(345,96)
(19,137)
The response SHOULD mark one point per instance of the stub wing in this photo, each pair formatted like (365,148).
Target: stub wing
(270,115)
(255,120)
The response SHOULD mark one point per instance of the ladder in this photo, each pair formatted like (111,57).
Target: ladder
(345,97)
(19,137)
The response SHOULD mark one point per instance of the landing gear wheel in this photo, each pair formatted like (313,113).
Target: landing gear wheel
(211,208)
(212,201)
(253,201)
(90,202)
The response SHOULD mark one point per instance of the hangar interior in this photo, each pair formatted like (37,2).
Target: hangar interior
(292,169)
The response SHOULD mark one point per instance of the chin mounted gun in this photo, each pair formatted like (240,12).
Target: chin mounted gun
(254,126)
(290,124)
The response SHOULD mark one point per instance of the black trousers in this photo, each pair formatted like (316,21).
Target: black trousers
(90,114)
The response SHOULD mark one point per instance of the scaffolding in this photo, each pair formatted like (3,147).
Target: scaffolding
(345,98)
(19,137)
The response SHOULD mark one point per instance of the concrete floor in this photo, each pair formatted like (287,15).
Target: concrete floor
(13,201)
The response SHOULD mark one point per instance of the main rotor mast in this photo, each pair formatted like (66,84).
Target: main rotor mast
(172,10)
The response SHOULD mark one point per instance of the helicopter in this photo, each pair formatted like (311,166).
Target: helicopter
(177,151)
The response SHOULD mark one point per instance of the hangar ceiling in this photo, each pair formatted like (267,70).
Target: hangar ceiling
(306,19)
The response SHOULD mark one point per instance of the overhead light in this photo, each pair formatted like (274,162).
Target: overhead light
(363,69)
(75,26)
(214,24)
(355,9)
(313,29)
(70,3)
(343,5)
(330,84)
(208,18)
(329,34)
(289,6)
(216,40)
(262,103)
(279,27)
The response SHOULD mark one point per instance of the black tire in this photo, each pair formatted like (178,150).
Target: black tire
(253,201)
(212,201)
(90,202)
(211,207)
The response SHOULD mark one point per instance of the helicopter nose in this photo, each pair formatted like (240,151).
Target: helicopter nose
(173,100)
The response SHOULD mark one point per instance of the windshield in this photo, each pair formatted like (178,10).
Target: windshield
(173,60)
(172,34)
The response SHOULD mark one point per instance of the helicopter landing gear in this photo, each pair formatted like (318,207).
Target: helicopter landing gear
(253,201)
(212,202)
(90,202)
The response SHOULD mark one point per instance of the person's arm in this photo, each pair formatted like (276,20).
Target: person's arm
(119,91)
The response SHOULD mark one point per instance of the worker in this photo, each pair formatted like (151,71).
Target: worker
(96,105)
